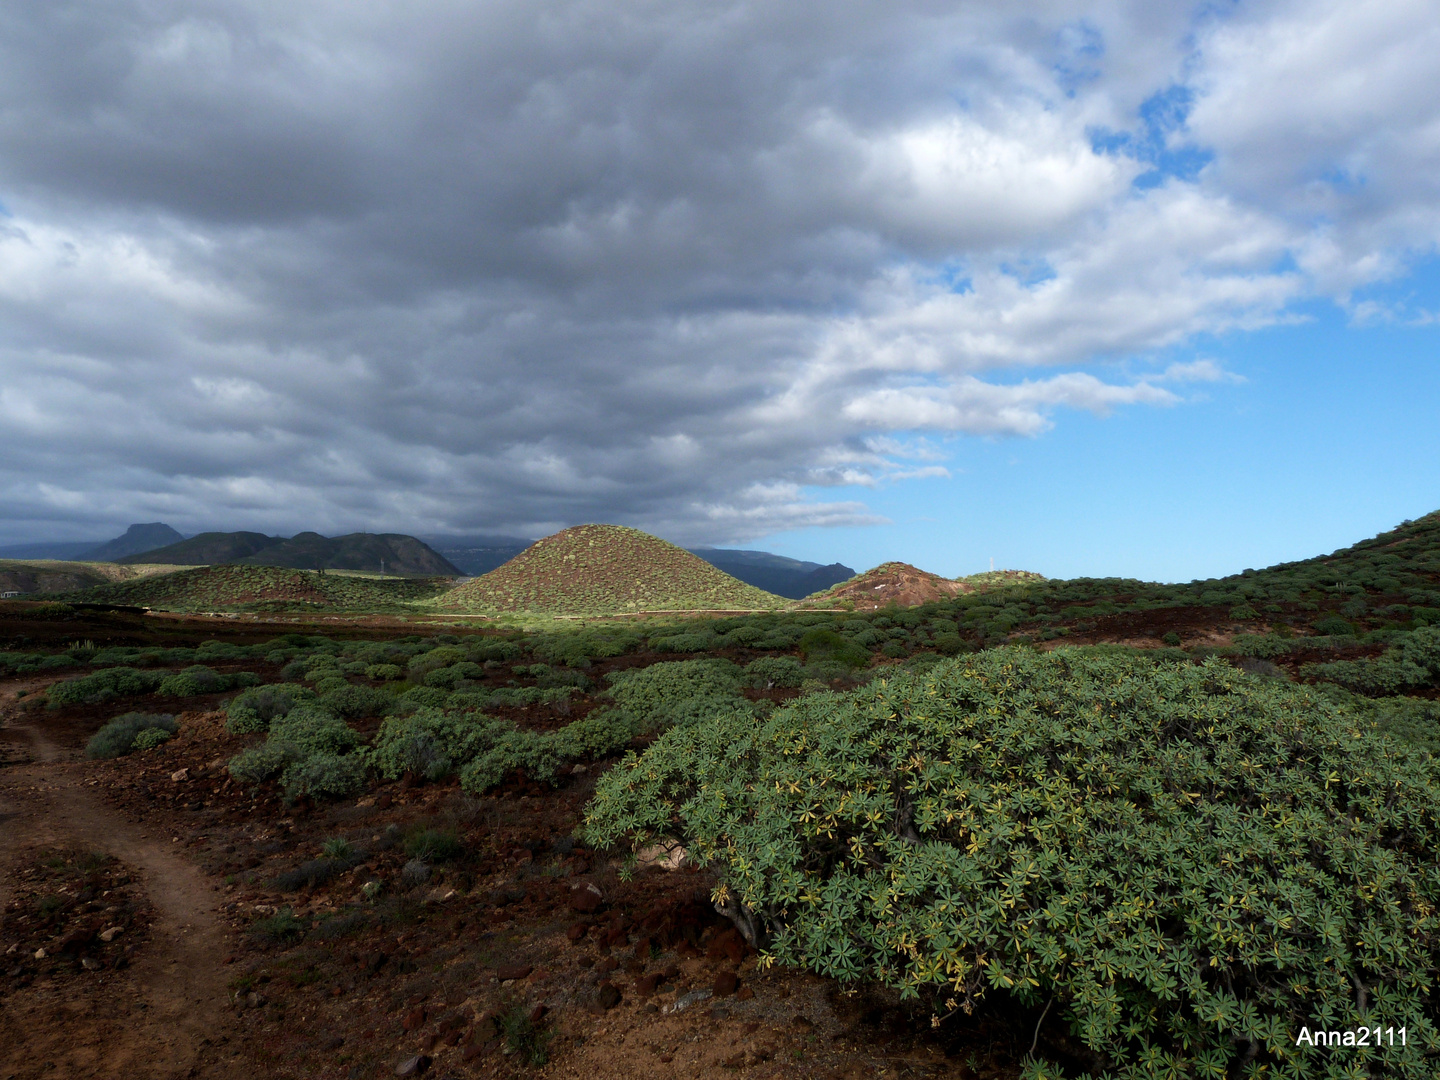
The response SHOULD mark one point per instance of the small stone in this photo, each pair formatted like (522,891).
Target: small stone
(734,1061)
(335,1042)
(113,932)
(538,1013)
(40,954)
(586,898)
(413,1066)
(474,1050)
(607,996)
(180,775)
(383,801)
(513,971)
(414,1019)
(645,985)
(726,983)
(607,965)
(90,965)
(744,994)
(667,1058)
(577,932)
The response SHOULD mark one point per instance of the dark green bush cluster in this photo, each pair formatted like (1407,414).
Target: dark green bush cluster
(1412,661)
(105,685)
(255,708)
(1189,862)
(199,679)
(130,732)
(311,750)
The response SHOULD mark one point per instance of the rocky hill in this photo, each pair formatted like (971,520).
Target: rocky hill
(392,553)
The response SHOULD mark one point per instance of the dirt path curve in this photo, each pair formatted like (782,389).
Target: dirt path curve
(176,1014)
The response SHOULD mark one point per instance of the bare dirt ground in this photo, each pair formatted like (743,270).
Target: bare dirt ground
(248,954)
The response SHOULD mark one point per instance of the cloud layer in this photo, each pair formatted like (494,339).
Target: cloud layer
(512,266)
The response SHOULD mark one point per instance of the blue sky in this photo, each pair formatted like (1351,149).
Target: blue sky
(1124,289)
(1333,436)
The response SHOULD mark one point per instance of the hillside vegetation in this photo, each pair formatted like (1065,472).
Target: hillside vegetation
(46,576)
(604,569)
(265,588)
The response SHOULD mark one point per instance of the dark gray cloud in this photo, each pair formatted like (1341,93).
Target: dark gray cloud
(445,266)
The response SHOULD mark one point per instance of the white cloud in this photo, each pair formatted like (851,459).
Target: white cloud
(516,265)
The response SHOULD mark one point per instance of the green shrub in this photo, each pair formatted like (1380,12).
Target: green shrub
(151,738)
(424,697)
(1332,625)
(524,1039)
(1172,639)
(431,743)
(330,684)
(104,685)
(683,642)
(313,730)
(826,646)
(120,735)
(355,701)
(264,761)
(255,708)
(323,775)
(771,671)
(672,692)
(383,672)
(441,656)
(1189,862)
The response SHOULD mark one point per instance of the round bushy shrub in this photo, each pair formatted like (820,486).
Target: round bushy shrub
(822,646)
(1191,864)
(323,776)
(356,701)
(257,707)
(104,685)
(119,736)
(313,730)
(151,737)
(383,672)
(771,671)
(194,680)
(330,683)
(262,762)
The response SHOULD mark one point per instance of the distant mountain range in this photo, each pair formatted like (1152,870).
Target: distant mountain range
(782,576)
(469,556)
(391,552)
(137,538)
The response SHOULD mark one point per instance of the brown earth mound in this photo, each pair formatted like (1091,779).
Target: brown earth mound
(891,583)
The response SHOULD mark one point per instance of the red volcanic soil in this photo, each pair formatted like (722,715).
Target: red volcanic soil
(892,583)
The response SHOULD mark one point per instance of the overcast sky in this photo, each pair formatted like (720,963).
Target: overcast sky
(732,272)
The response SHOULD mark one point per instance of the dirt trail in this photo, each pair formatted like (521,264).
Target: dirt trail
(167,1015)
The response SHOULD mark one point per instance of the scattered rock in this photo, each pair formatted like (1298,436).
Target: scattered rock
(538,1013)
(577,932)
(511,894)
(414,1019)
(90,965)
(646,984)
(513,971)
(726,983)
(111,934)
(606,995)
(586,897)
(744,994)
(694,997)
(180,775)
(413,1066)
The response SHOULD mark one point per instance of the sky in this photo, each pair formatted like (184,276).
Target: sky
(1133,289)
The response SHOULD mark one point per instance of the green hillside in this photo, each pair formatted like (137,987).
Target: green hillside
(600,569)
(265,588)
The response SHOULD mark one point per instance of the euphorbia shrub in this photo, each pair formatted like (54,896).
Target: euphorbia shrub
(1190,863)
